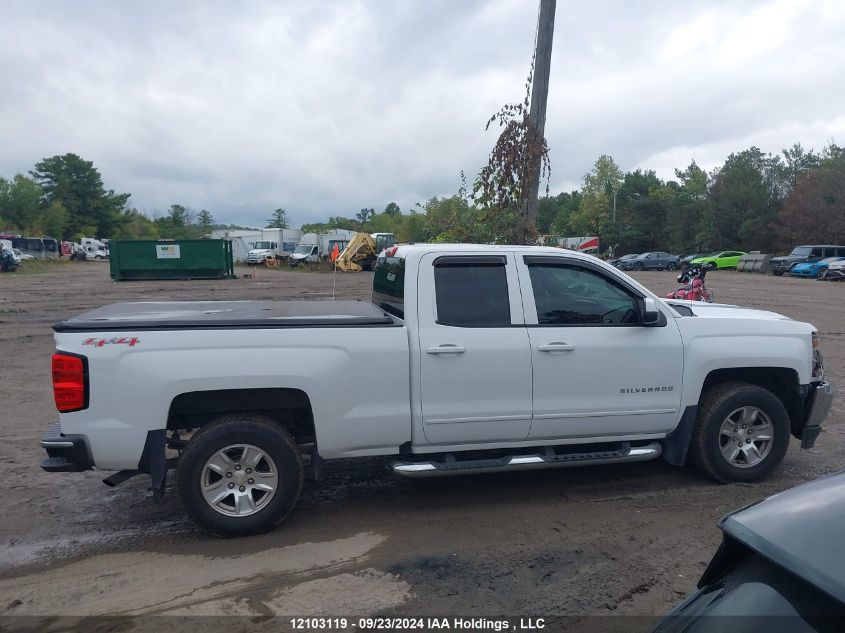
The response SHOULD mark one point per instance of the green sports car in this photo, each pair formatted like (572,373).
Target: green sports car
(725,259)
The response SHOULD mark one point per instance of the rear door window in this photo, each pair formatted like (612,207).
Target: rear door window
(389,286)
(472,292)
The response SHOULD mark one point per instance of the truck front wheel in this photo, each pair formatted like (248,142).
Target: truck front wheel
(239,475)
(741,434)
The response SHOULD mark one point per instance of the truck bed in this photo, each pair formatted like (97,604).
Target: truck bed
(216,315)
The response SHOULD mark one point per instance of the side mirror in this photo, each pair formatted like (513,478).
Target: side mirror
(651,315)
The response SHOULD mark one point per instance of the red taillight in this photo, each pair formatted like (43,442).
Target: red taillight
(390,252)
(69,382)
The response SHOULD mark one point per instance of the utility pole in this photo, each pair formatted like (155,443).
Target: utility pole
(537,114)
(614,206)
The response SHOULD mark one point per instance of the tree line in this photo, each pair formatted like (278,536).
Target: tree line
(754,201)
(64,197)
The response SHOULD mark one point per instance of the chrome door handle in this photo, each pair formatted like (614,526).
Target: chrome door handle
(556,347)
(446,349)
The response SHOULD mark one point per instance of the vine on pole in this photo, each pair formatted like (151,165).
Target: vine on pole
(503,183)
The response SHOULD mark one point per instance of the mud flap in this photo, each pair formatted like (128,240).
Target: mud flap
(676,444)
(154,461)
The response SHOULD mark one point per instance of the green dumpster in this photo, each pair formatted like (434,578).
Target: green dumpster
(179,259)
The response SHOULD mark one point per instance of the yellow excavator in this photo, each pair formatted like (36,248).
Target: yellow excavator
(362,251)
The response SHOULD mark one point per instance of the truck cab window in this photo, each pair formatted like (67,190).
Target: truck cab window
(572,295)
(472,294)
(389,286)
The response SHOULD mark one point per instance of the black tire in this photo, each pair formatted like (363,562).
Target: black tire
(671,266)
(820,273)
(638,266)
(715,406)
(777,273)
(240,428)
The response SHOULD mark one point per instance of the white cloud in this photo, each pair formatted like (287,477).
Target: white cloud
(326,107)
(710,155)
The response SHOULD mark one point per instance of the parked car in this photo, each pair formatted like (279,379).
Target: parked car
(686,259)
(801,254)
(836,271)
(8,262)
(656,260)
(21,257)
(488,360)
(723,259)
(780,568)
(615,260)
(814,269)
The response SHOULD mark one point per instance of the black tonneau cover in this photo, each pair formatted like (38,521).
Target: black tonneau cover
(217,315)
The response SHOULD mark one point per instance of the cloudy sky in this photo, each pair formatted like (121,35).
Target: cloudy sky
(327,107)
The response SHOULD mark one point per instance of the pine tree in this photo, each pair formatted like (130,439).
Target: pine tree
(279,220)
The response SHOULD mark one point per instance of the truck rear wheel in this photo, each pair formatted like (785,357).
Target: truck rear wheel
(239,475)
(742,433)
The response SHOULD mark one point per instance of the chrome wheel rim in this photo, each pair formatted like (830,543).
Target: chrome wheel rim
(746,437)
(239,480)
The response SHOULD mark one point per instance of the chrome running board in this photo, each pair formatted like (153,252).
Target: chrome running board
(450,465)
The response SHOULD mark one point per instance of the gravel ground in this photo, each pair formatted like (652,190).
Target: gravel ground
(627,539)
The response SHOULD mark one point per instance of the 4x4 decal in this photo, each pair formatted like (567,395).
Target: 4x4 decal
(131,341)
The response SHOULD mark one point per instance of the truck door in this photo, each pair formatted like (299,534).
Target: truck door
(598,372)
(475,374)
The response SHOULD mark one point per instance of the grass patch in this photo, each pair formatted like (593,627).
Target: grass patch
(322,267)
(42,266)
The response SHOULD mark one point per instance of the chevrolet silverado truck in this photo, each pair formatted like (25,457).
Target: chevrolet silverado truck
(490,358)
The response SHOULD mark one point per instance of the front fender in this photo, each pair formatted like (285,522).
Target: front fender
(712,344)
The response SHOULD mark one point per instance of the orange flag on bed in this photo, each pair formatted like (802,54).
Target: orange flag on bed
(335,252)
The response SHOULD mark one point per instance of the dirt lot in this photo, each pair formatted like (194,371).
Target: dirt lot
(630,539)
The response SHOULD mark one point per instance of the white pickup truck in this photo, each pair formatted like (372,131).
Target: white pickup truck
(489,358)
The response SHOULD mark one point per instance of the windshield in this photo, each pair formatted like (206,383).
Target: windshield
(830,260)
(303,249)
(801,251)
(631,256)
(263,245)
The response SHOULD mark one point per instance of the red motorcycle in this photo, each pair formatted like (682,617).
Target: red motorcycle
(694,290)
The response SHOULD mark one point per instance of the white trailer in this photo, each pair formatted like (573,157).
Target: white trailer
(285,240)
(242,241)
